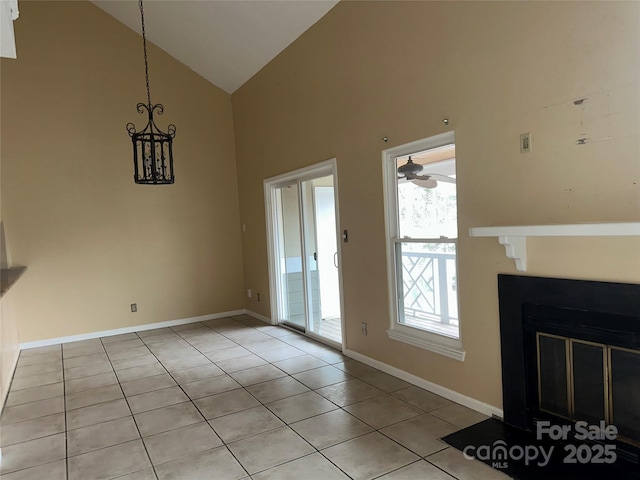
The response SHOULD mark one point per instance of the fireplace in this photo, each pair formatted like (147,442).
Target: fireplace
(571,352)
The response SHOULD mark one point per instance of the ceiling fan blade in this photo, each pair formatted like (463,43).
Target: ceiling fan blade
(413,176)
(428,183)
(442,178)
(423,181)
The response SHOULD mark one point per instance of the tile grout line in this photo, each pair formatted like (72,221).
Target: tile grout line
(396,469)
(96,404)
(310,390)
(261,404)
(438,466)
(258,383)
(338,407)
(41,416)
(242,387)
(224,444)
(131,411)
(64,404)
(288,426)
(106,421)
(190,400)
(374,430)
(187,339)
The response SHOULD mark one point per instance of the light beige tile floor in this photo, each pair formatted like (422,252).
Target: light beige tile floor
(231,398)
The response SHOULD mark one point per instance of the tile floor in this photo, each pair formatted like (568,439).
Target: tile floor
(225,399)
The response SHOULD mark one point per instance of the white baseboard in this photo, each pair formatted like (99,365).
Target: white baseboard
(259,317)
(452,395)
(120,331)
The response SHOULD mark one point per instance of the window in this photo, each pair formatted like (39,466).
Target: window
(422,233)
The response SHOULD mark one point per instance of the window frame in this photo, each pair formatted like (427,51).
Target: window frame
(434,342)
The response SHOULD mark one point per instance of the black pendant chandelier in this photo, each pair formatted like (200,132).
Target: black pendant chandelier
(152,148)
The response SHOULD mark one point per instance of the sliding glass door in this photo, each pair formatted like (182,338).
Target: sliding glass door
(305,250)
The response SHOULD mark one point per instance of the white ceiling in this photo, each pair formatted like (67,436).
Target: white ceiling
(225,41)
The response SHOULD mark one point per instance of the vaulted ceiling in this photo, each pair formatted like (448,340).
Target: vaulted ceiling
(227,42)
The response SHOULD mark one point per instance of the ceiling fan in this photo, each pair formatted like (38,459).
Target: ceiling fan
(412,172)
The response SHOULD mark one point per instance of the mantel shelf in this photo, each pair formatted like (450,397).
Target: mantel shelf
(514,238)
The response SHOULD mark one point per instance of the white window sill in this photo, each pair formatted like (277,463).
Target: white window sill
(448,347)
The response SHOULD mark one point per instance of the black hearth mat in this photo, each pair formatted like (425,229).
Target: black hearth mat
(492,434)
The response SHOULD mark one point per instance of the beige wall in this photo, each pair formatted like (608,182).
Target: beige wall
(496,70)
(94,241)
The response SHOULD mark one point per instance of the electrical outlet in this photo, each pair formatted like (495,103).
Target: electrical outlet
(248,293)
(134,307)
(258,296)
(363,326)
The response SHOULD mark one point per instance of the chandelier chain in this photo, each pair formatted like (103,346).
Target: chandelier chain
(146,65)
(152,148)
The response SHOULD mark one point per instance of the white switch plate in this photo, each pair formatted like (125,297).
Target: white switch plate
(525,143)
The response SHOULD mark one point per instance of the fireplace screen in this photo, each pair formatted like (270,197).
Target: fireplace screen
(625,391)
(581,380)
(553,375)
(590,392)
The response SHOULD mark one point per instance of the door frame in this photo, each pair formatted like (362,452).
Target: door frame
(320,169)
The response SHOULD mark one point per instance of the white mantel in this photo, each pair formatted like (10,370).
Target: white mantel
(8,13)
(514,238)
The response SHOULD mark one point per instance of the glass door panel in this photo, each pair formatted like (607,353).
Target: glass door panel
(321,240)
(289,262)
(311,256)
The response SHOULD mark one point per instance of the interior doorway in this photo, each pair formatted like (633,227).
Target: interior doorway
(304,251)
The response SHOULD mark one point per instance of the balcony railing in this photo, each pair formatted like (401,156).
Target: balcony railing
(429,291)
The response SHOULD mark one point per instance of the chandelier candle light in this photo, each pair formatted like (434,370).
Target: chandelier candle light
(152,148)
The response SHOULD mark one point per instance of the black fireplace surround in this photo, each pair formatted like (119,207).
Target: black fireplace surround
(594,311)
